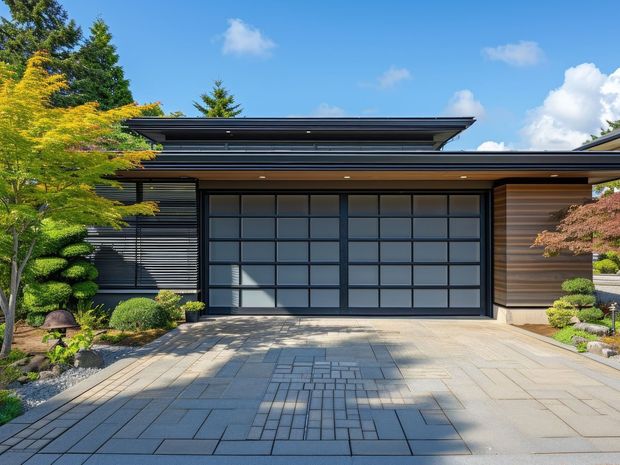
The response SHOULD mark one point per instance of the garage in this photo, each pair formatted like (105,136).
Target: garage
(317,253)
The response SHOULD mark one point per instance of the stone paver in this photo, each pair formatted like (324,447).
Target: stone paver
(287,386)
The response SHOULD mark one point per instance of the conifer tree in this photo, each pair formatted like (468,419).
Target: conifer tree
(218,104)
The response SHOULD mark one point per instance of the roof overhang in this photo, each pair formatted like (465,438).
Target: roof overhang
(608,142)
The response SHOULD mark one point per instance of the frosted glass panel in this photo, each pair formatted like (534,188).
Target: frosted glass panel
(292,205)
(464,251)
(395,251)
(325,251)
(396,298)
(223,205)
(430,205)
(325,228)
(224,251)
(363,252)
(363,298)
(224,298)
(464,298)
(465,227)
(259,228)
(363,205)
(430,227)
(293,274)
(396,275)
(464,205)
(433,298)
(257,251)
(395,205)
(430,275)
(257,275)
(325,298)
(224,228)
(465,275)
(395,228)
(325,205)
(291,298)
(292,251)
(224,275)
(257,205)
(363,228)
(293,228)
(258,297)
(325,275)
(363,274)
(430,251)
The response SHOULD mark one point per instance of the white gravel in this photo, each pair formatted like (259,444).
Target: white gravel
(37,392)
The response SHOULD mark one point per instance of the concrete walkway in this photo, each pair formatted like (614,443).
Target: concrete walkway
(262,389)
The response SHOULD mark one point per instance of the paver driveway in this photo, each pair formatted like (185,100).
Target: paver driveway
(284,386)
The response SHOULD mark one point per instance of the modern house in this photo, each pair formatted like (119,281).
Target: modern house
(345,216)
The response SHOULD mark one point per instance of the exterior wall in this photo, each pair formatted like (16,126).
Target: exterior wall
(523,278)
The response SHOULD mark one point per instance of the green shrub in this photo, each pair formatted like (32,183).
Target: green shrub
(79,249)
(579,300)
(139,313)
(613,256)
(84,290)
(10,406)
(565,336)
(590,315)
(13,356)
(169,301)
(193,306)
(46,266)
(63,355)
(560,314)
(57,235)
(80,270)
(89,315)
(605,266)
(50,293)
(578,286)
(35,319)
(8,374)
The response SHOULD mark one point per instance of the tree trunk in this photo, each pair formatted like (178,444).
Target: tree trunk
(9,319)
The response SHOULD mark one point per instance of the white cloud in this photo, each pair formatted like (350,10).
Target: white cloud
(393,76)
(492,146)
(243,39)
(523,53)
(327,110)
(463,103)
(579,107)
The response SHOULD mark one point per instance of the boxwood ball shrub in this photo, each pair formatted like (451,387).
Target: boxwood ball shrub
(605,266)
(578,286)
(613,256)
(560,314)
(139,313)
(590,315)
(193,306)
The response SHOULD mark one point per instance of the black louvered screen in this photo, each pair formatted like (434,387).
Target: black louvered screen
(152,252)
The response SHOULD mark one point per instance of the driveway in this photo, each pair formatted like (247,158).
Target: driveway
(355,389)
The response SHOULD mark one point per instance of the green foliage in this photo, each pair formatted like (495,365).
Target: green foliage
(35,319)
(44,267)
(578,286)
(219,104)
(80,270)
(605,266)
(169,301)
(89,315)
(139,313)
(560,314)
(2,327)
(112,338)
(193,306)
(565,336)
(55,235)
(32,376)
(13,356)
(50,293)
(79,249)
(590,315)
(64,355)
(10,406)
(613,256)
(84,290)
(607,322)
(579,300)
(8,374)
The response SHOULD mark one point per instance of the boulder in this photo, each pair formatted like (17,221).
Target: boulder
(609,353)
(578,340)
(599,330)
(20,363)
(87,358)
(57,370)
(22,379)
(37,363)
(596,347)
(47,374)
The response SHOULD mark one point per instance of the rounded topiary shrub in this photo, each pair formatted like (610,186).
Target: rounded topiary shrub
(50,293)
(578,286)
(560,314)
(43,267)
(613,256)
(58,235)
(79,249)
(84,290)
(138,313)
(605,266)
(580,300)
(80,270)
(590,315)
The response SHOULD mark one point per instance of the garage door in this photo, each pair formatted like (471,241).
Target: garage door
(337,253)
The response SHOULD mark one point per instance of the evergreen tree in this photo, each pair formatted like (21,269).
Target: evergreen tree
(97,75)
(219,104)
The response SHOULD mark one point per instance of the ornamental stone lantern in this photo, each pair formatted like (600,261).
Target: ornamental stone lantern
(59,320)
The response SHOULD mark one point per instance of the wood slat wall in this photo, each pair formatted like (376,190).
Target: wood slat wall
(522,276)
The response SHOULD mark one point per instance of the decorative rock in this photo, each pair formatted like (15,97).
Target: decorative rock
(37,363)
(578,340)
(86,358)
(20,363)
(609,353)
(596,347)
(591,328)
(48,374)
(22,379)
(57,370)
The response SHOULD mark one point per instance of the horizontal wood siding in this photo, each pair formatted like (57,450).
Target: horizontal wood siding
(522,276)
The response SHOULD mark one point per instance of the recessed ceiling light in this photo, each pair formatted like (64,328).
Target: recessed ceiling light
(308,132)
(227,132)
(554,175)
(262,177)
(463,177)
(347,177)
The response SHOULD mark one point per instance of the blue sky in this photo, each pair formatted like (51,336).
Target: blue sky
(499,60)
